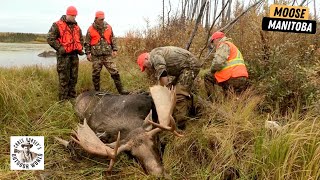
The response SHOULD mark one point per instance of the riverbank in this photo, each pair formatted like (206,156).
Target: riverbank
(11,37)
(24,54)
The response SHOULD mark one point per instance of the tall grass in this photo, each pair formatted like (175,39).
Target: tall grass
(29,106)
(228,135)
(227,138)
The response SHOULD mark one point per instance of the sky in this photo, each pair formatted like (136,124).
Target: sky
(37,16)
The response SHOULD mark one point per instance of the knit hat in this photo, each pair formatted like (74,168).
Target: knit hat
(71,10)
(217,35)
(141,60)
(99,14)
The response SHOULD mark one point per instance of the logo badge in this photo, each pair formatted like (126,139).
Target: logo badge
(289,19)
(27,153)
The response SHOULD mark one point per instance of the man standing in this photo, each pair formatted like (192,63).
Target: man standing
(100,47)
(179,63)
(65,37)
(227,69)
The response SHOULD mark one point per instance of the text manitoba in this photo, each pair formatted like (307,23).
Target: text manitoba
(290,26)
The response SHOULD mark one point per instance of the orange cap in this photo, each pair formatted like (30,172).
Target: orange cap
(99,14)
(71,10)
(141,59)
(217,35)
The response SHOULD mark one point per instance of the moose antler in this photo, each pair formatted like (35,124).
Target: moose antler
(165,101)
(88,140)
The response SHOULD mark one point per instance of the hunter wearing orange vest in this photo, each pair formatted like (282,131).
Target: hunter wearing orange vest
(100,47)
(228,69)
(65,37)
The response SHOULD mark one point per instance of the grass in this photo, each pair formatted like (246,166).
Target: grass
(228,134)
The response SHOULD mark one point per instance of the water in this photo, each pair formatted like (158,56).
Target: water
(20,54)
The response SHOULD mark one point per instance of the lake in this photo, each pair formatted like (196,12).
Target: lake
(21,54)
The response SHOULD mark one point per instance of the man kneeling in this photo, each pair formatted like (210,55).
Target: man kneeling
(227,69)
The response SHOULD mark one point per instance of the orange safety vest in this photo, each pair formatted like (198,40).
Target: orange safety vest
(234,67)
(69,39)
(95,36)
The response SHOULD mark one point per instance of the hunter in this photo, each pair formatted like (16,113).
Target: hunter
(178,63)
(228,69)
(100,47)
(65,37)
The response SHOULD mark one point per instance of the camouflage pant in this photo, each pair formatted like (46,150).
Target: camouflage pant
(184,102)
(238,84)
(67,67)
(97,64)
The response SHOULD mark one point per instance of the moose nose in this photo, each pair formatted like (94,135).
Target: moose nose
(156,170)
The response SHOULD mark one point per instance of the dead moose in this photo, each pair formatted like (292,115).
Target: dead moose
(116,123)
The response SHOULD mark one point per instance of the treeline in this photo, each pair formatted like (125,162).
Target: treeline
(22,38)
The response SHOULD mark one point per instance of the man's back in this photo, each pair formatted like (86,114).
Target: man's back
(176,59)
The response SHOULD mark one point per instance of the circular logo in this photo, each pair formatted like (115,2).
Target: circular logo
(27,152)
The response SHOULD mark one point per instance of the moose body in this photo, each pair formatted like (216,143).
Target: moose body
(116,123)
(109,114)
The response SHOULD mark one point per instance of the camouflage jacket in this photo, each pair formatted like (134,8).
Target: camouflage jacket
(172,60)
(221,55)
(102,48)
(54,34)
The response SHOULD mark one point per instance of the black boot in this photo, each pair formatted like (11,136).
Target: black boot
(117,82)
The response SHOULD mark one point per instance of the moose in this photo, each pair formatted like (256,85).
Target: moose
(116,123)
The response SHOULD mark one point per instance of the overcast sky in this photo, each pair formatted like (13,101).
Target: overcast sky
(36,16)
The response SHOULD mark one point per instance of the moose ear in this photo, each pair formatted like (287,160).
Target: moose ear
(146,125)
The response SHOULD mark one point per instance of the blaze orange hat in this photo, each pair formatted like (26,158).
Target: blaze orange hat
(71,10)
(141,60)
(217,35)
(99,14)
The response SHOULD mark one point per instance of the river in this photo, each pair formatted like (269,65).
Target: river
(21,54)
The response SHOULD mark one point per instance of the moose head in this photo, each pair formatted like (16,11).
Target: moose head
(139,140)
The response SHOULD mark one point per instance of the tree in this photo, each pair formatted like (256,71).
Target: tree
(196,25)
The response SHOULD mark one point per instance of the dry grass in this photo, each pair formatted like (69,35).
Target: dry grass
(227,134)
